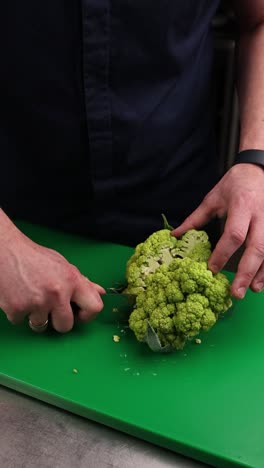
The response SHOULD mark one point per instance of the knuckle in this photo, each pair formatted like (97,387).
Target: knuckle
(15,316)
(70,277)
(245,198)
(259,248)
(209,200)
(56,289)
(237,237)
(74,269)
(89,313)
(247,276)
(207,203)
(37,301)
(17,307)
(12,319)
(211,204)
(87,316)
(72,273)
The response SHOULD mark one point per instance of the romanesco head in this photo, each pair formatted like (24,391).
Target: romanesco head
(177,297)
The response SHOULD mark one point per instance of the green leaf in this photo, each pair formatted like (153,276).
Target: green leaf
(153,341)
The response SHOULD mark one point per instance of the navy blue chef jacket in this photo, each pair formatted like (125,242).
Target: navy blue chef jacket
(105,116)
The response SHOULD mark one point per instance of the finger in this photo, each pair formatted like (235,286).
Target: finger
(99,288)
(89,300)
(250,263)
(257,284)
(235,232)
(62,317)
(202,215)
(38,317)
(16,313)
(37,325)
(14,318)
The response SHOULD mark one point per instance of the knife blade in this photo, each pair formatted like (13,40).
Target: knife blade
(117,307)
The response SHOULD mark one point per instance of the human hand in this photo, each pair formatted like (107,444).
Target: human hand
(39,283)
(239,196)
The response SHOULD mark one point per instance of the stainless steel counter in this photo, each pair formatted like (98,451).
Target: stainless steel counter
(36,435)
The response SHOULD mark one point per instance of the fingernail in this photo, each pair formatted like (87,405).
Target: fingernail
(259,286)
(241,292)
(214,268)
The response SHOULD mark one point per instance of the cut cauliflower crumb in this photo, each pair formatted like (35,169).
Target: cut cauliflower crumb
(116,338)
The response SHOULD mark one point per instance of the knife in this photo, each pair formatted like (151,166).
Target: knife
(117,306)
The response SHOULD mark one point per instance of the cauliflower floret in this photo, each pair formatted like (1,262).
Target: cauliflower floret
(138,323)
(192,276)
(194,315)
(172,340)
(161,318)
(194,244)
(173,292)
(160,249)
(218,293)
(147,258)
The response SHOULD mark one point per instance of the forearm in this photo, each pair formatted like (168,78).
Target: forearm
(250,84)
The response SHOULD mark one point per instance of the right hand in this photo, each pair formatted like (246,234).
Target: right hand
(39,283)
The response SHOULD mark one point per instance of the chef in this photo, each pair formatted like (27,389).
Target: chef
(105,123)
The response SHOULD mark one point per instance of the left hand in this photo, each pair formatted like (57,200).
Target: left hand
(240,196)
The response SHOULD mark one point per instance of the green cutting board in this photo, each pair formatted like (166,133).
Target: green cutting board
(206,401)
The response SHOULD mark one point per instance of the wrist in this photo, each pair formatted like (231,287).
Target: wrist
(8,230)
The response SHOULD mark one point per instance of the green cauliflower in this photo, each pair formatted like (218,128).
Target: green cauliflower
(179,297)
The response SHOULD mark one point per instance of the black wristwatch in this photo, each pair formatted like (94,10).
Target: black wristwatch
(252,156)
